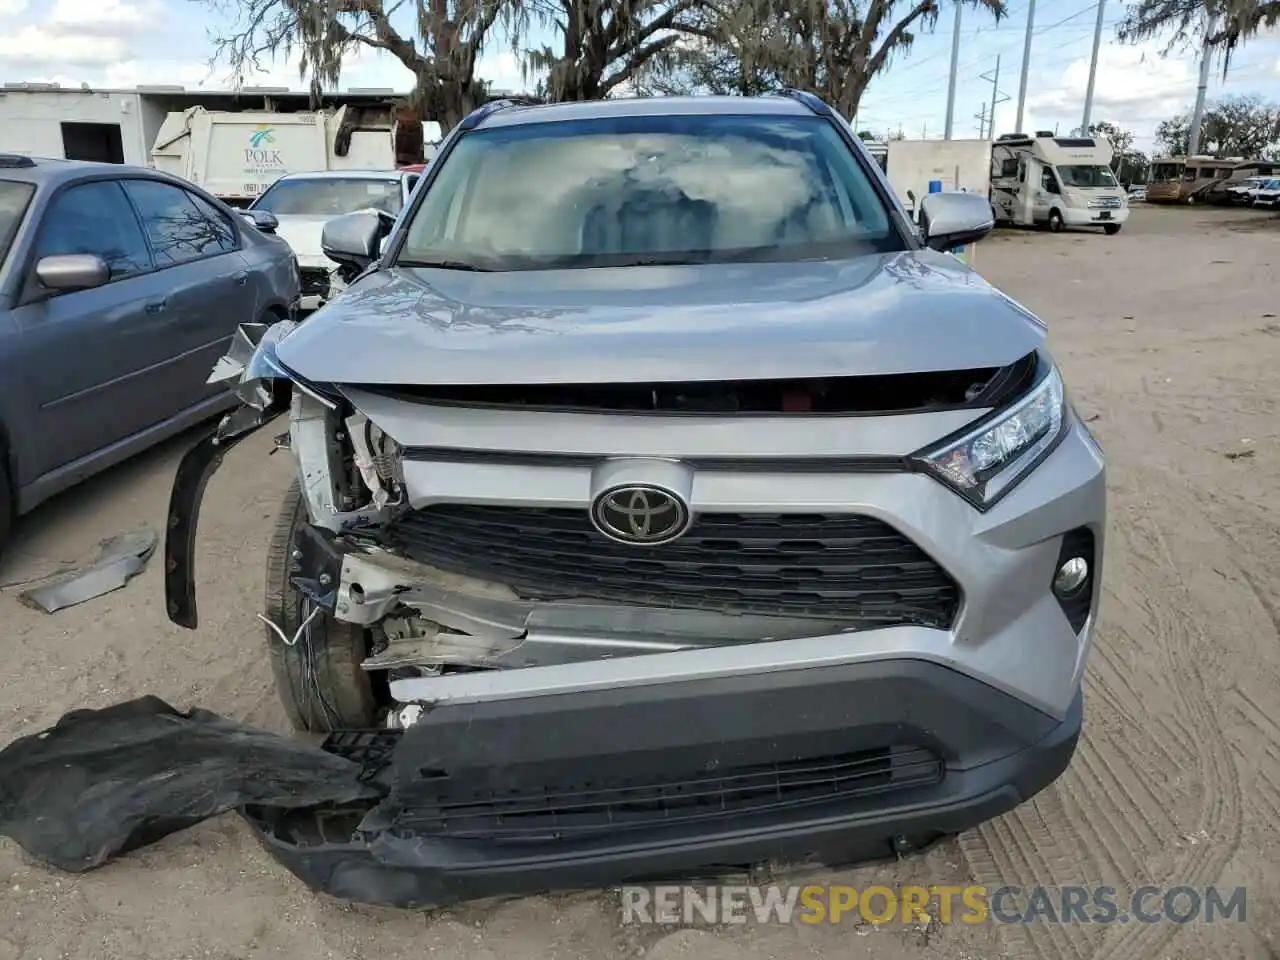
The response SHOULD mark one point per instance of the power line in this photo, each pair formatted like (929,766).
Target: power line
(997,96)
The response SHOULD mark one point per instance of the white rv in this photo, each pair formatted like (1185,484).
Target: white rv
(1056,182)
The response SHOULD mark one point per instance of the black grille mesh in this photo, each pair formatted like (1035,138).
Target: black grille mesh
(854,569)
(564,810)
(315,281)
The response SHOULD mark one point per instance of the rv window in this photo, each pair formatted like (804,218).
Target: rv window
(1090,175)
(1189,175)
(1208,173)
(1009,168)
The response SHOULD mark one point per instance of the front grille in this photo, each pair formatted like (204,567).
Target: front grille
(854,569)
(434,807)
(315,281)
(1105,203)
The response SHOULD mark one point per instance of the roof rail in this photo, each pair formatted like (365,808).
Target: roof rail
(814,103)
(480,114)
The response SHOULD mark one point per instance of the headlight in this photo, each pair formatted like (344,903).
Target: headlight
(985,463)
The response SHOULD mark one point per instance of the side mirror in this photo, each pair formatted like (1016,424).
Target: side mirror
(262,220)
(952,219)
(353,239)
(72,271)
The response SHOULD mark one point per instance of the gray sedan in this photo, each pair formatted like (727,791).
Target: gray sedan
(119,288)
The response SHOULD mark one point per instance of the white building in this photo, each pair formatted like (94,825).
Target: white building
(120,125)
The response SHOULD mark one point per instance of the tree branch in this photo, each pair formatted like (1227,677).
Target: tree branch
(639,57)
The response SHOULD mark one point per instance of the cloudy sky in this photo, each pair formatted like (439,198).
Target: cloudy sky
(123,43)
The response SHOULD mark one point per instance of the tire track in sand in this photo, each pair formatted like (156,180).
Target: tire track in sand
(1113,809)
(1170,606)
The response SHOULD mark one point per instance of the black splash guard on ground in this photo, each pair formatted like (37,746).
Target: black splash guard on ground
(104,782)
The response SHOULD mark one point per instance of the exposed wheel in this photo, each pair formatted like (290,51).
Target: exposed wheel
(318,679)
(1056,223)
(1111,229)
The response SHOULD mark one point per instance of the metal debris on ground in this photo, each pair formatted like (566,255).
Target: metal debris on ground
(119,560)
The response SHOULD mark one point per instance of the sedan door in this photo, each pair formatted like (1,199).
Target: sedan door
(80,347)
(196,250)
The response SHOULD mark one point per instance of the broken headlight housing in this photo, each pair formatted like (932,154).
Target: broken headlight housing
(987,461)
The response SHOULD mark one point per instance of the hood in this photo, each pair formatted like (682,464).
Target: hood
(892,313)
(303,236)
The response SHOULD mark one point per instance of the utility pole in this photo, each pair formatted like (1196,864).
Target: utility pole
(1197,115)
(1093,68)
(955,65)
(996,97)
(1026,64)
(981,117)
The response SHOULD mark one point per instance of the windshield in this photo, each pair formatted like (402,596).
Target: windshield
(1087,176)
(14,198)
(1162,172)
(644,190)
(330,196)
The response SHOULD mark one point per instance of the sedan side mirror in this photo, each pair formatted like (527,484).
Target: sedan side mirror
(952,219)
(261,219)
(72,271)
(353,239)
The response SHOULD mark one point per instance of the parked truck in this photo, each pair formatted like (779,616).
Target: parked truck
(236,155)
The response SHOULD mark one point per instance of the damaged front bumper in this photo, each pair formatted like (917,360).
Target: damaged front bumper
(670,780)
(554,756)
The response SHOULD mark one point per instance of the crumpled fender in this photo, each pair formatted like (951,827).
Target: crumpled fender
(251,371)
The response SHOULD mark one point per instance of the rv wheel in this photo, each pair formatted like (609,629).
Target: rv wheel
(1055,221)
(1111,229)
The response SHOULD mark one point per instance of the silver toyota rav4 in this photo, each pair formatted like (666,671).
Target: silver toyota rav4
(665,500)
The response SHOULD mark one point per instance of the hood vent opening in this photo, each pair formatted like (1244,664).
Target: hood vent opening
(881,394)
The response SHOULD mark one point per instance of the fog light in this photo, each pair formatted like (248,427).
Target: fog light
(1071,576)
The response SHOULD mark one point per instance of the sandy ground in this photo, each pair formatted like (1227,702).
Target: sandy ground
(1169,336)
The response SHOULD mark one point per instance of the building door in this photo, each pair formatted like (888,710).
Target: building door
(100,142)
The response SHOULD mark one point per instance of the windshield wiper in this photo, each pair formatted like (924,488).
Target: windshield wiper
(445,264)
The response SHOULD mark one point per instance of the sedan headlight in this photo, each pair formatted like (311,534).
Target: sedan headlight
(985,463)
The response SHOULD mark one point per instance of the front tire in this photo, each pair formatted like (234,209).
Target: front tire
(318,679)
(1056,223)
(1111,229)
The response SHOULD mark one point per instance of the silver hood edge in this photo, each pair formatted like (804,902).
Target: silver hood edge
(895,313)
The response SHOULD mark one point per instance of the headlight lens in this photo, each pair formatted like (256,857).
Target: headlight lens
(985,463)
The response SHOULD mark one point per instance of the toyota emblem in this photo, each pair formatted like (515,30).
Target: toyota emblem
(640,514)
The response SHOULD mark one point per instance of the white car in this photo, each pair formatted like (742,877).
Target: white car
(1267,194)
(303,203)
(1245,191)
